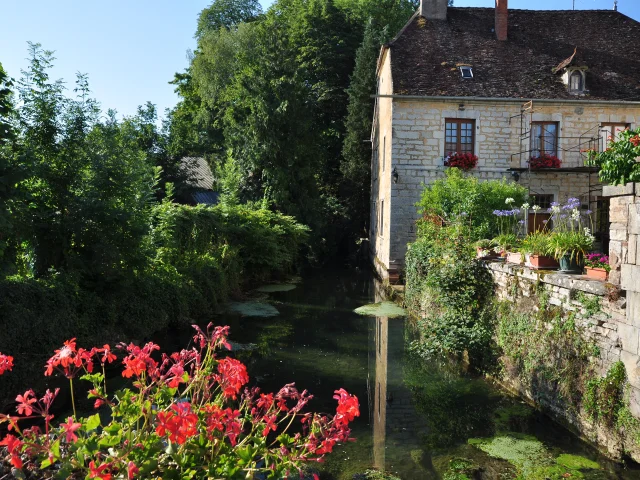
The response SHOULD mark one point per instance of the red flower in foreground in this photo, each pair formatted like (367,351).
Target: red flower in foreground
(232,376)
(69,429)
(100,471)
(635,140)
(24,403)
(132,470)
(6,363)
(348,407)
(139,360)
(69,360)
(14,445)
(180,422)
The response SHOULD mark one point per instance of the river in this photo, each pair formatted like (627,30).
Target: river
(418,419)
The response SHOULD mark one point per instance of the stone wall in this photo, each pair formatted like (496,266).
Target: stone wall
(624,258)
(610,328)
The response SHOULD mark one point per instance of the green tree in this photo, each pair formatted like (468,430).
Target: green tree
(356,152)
(88,181)
(9,175)
(227,14)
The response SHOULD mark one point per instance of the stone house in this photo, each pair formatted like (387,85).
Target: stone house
(507,86)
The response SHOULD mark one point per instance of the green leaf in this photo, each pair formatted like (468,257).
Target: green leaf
(92,422)
(54,455)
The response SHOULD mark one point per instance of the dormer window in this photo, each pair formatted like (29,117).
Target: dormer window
(466,71)
(576,81)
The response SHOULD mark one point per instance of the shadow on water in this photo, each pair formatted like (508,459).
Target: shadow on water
(417,417)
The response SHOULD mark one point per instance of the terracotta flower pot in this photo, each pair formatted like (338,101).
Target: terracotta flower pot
(597,273)
(542,262)
(514,257)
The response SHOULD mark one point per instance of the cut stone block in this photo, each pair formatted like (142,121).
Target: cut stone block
(617,190)
(629,336)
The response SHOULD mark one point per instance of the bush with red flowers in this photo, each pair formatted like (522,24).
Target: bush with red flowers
(463,161)
(185,416)
(544,161)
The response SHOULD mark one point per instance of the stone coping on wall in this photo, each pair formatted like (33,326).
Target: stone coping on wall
(551,277)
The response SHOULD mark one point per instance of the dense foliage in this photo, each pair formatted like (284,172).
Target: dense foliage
(87,247)
(451,290)
(618,163)
(186,415)
(463,197)
(281,101)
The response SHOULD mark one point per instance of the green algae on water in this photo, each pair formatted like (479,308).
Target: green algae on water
(382,309)
(253,309)
(273,288)
(523,451)
(576,462)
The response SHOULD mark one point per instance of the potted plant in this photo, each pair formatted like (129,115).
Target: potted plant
(597,266)
(463,161)
(485,249)
(505,242)
(570,248)
(544,161)
(535,248)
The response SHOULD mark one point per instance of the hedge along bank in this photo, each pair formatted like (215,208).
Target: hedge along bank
(195,258)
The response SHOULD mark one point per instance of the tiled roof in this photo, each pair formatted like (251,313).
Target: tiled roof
(425,54)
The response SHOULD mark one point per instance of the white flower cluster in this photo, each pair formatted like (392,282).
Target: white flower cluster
(536,208)
(509,201)
(587,233)
(525,206)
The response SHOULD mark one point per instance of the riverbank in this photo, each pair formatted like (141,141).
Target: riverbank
(197,259)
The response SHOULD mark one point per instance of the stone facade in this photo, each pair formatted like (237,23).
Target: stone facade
(612,330)
(408,139)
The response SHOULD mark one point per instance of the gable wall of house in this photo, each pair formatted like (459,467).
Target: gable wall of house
(417,152)
(380,225)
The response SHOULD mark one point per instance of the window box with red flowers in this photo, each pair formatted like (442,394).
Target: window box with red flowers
(544,161)
(463,161)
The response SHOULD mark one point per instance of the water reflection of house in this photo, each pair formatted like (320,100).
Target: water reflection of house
(397,429)
(198,188)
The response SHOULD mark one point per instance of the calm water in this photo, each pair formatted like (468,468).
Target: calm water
(415,416)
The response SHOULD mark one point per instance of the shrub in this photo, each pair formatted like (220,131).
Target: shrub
(618,163)
(463,195)
(451,290)
(185,416)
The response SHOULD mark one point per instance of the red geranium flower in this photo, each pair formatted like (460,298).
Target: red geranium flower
(544,161)
(463,161)
(25,402)
(100,471)
(14,445)
(180,423)
(69,429)
(6,363)
(69,360)
(232,376)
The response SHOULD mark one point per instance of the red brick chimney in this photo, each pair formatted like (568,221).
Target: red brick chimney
(502,14)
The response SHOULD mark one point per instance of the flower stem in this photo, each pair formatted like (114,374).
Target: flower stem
(73,400)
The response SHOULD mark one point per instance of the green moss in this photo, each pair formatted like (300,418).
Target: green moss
(552,472)
(383,309)
(576,462)
(460,469)
(526,453)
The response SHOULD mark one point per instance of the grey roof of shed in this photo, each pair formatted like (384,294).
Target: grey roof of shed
(198,172)
(425,54)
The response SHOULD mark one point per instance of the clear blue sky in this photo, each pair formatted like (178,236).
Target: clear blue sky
(131,48)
